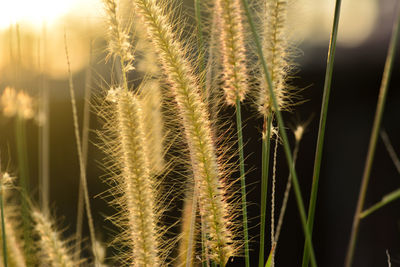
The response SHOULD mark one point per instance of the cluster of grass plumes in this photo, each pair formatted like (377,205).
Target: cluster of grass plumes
(169,150)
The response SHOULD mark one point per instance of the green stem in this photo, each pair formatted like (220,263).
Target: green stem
(374,137)
(390,150)
(282,130)
(242,180)
(23,168)
(82,167)
(264,184)
(385,200)
(3,225)
(322,127)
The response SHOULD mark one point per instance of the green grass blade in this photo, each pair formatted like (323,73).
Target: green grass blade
(3,225)
(23,169)
(374,137)
(322,126)
(385,200)
(270,257)
(282,130)
(264,185)
(242,181)
(390,150)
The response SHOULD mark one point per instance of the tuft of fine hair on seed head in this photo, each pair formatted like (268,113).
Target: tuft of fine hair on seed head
(189,233)
(278,53)
(54,251)
(229,14)
(151,100)
(118,36)
(213,196)
(12,222)
(135,191)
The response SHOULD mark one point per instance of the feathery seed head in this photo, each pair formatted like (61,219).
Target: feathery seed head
(55,251)
(197,126)
(298,133)
(119,43)
(233,51)
(136,188)
(6,180)
(150,98)
(277,55)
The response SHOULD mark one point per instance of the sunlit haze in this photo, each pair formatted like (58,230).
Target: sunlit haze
(35,13)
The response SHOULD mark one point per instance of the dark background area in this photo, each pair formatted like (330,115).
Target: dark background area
(355,87)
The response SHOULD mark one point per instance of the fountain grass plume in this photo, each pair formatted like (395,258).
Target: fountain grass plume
(151,99)
(12,245)
(118,39)
(278,53)
(54,251)
(136,191)
(232,49)
(213,203)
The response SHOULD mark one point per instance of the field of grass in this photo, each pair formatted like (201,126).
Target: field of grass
(202,133)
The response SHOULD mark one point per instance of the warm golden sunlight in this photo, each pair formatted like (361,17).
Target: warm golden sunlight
(33,12)
(188,133)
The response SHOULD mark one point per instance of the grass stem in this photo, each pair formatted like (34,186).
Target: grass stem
(390,150)
(282,130)
(85,146)
(242,181)
(3,225)
(385,200)
(264,183)
(23,168)
(374,137)
(82,168)
(322,126)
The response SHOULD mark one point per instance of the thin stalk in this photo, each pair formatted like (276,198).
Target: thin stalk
(204,259)
(273,193)
(85,145)
(282,130)
(390,149)
(242,181)
(264,183)
(44,131)
(286,196)
(23,168)
(322,126)
(374,137)
(82,170)
(385,200)
(191,238)
(22,156)
(3,225)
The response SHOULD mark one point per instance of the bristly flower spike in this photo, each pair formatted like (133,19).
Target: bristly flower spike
(233,51)
(212,197)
